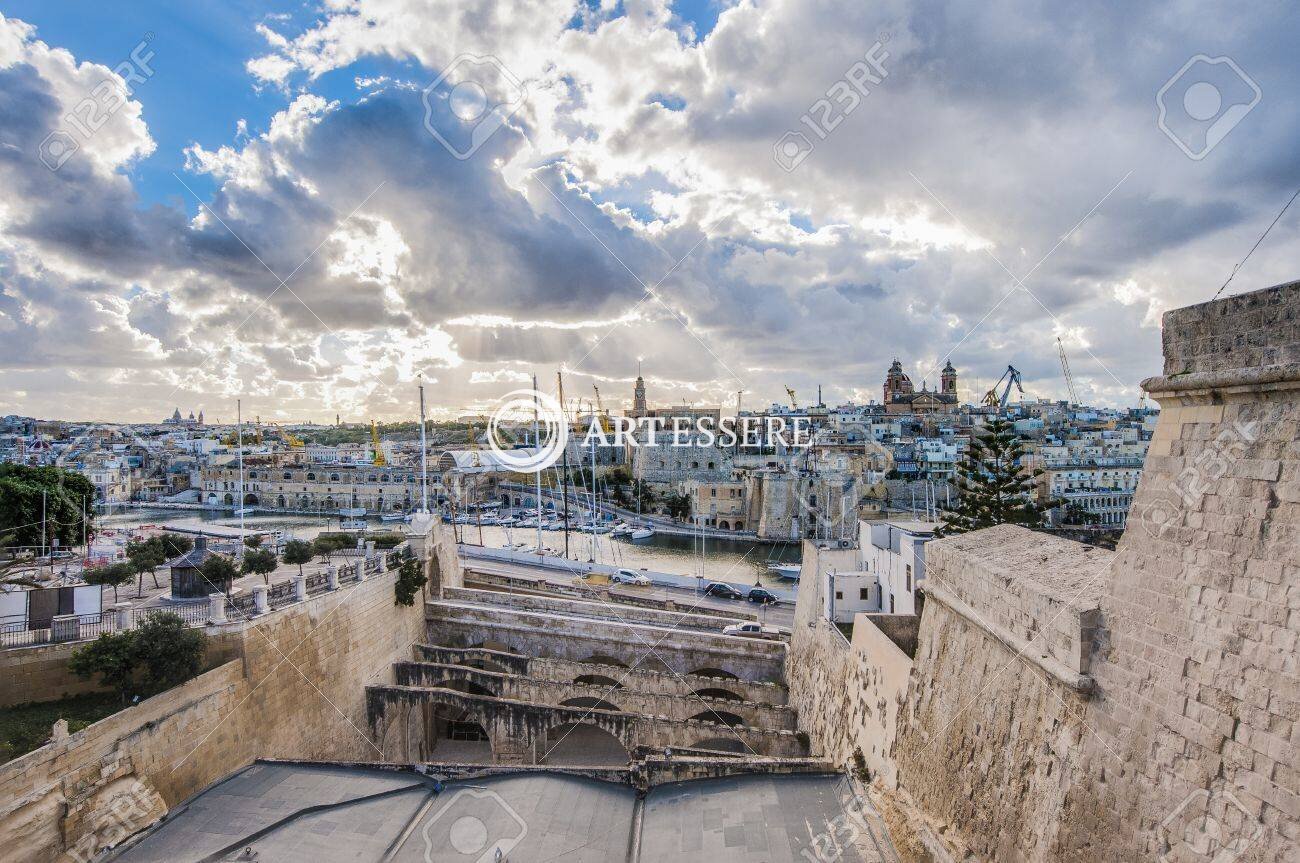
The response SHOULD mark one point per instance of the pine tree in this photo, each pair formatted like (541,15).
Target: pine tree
(993,487)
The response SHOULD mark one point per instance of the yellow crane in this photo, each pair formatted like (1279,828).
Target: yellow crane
(793,404)
(605,423)
(379,459)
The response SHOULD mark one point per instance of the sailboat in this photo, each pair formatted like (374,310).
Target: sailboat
(240,509)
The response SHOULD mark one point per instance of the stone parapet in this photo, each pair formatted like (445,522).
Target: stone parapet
(1036,593)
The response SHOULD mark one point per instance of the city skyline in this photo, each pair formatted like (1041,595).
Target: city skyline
(203,244)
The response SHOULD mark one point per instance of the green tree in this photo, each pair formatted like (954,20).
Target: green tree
(113,575)
(328,543)
(993,484)
(174,545)
(145,555)
(253,541)
(259,561)
(410,578)
(298,551)
(30,496)
(160,653)
(111,657)
(218,570)
(678,506)
(167,652)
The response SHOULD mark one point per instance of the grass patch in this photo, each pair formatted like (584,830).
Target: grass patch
(25,727)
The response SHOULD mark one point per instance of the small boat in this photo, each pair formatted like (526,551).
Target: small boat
(789,571)
(643,533)
(394,516)
(621,529)
(246,510)
(508,521)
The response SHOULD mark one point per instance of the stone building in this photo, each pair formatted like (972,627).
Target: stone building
(901,397)
(275,482)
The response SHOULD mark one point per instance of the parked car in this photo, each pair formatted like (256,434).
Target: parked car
(752,630)
(761,594)
(628,576)
(722,590)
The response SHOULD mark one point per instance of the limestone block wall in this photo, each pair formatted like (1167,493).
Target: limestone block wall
(39,674)
(297,690)
(1024,587)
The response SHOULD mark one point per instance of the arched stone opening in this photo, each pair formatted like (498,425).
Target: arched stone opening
(721,694)
(489,644)
(718,717)
(580,743)
(454,734)
(229,500)
(597,680)
(467,686)
(589,703)
(279,501)
(250,499)
(722,744)
(714,672)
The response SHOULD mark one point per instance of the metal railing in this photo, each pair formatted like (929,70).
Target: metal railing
(17,633)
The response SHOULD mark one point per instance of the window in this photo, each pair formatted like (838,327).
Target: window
(864,593)
(909,576)
(839,594)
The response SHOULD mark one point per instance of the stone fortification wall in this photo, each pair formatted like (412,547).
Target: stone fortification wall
(297,690)
(1065,706)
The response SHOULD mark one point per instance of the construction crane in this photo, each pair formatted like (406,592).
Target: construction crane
(606,424)
(379,460)
(793,403)
(1065,368)
(1012,377)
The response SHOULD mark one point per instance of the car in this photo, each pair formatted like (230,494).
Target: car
(628,576)
(761,594)
(722,590)
(752,630)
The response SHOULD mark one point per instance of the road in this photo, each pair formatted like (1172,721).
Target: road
(781,614)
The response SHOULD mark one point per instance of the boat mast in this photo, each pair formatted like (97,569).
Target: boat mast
(239,437)
(424,456)
(564,477)
(537,444)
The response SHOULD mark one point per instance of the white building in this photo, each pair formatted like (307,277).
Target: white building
(850,593)
(894,553)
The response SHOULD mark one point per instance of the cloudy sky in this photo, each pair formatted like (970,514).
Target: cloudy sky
(307,205)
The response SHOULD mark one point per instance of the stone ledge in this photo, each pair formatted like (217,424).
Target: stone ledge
(1283,376)
(1021,647)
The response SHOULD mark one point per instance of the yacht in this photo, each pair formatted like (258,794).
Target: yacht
(621,529)
(642,533)
(788,571)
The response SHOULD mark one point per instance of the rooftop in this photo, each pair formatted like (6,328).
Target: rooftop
(329,813)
